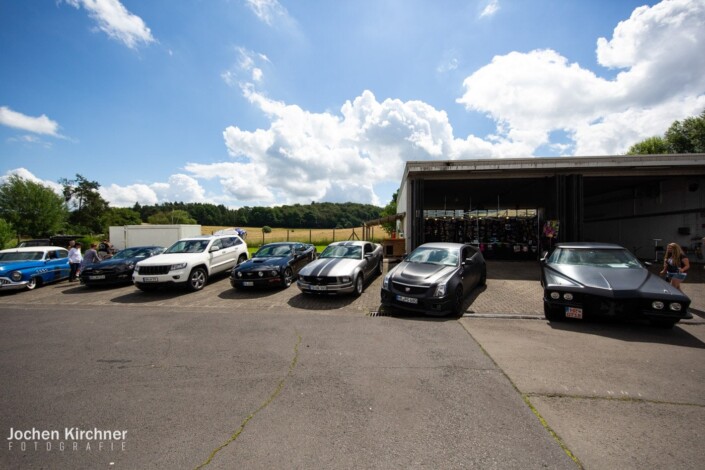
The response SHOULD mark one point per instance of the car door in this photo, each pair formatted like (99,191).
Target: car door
(369,259)
(57,262)
(218,256)
(471,268)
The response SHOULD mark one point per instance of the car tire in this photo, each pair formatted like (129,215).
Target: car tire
(287,277)
(552,313)
(197,279)
(359,286)
(664,323)
(32,283)
(458,300)
(241,259)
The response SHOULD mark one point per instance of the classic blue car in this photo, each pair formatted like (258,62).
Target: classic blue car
(118,268)
(27,268)
(273,264)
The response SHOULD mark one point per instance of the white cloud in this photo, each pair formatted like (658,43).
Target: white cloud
(29,176)
(38,125)
(178,188)
(490,9)
(268,11)
(118,23)
(532,94)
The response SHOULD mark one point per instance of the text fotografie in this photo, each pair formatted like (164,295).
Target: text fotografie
(69,434)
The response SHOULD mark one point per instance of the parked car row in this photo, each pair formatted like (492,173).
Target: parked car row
(578,279)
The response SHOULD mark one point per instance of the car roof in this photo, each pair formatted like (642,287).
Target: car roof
(350,243)
(446,245)
(32,248)
(590,245)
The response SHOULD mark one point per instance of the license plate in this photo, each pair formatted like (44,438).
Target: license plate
(150,279)
(95,278)
(574,312)
(319,287)
(248,283)
(408,300)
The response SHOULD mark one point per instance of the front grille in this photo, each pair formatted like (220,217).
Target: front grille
(416,290)
(320,280)
(154,270)
(5,281)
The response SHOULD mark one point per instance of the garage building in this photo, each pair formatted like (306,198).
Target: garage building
(518,208)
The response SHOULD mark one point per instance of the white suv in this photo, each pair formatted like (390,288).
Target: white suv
(190,262)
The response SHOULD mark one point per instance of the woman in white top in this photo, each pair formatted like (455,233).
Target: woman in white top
(75,259)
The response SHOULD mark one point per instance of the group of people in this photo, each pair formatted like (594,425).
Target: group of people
(675,265)
(96,253)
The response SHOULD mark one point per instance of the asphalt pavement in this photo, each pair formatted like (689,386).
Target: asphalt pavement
(274,379)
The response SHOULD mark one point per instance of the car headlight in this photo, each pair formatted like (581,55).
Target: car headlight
(440,290)
(176,267)
(16,276)
(657,305)
(555,295)
(385,282)
(260,274)
(137,269)
(568,296)
(239,274)
(675,306)
(275,272)
(130,266)
(345,279)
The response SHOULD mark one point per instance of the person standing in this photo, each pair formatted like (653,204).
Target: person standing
(91,256)
(75,259)
(675,265)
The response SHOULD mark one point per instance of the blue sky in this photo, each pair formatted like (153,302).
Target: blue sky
(266,102)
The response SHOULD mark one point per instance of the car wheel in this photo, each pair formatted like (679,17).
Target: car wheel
(288,277)
(666,324)
(242,258)
(32,283)
(552,313)
(458,301)
(359,286)
(483,278)
(197,279)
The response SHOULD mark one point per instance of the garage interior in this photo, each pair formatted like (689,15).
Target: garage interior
(518,214)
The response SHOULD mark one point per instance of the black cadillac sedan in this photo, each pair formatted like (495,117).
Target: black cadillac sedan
(583,279)
(274,264)
(435,278)
(117,269)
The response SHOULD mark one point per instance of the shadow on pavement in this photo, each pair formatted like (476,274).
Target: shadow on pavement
(321,301)
(514,270)
(250,293)
(630,331)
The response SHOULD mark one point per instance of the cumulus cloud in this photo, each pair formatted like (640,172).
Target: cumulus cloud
(29,176)
(38,125)
(662,78)
(268,11)
(177,188)
(118,23)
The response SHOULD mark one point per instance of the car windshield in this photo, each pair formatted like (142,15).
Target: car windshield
(188,246)
(599,257)
(433,255)
(269,251)
(132,253)
(342,251)
(22,256)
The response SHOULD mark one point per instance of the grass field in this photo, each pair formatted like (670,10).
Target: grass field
(316,236)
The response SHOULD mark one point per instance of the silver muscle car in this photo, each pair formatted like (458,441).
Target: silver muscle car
(343,267)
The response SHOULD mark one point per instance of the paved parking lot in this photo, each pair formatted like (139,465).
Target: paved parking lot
(512,289)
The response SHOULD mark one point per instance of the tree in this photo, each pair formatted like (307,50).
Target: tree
(6,234)
(119,216)
(390,209)
(682,137)
(87,203)
(32,209)
(652,146)
(172,217)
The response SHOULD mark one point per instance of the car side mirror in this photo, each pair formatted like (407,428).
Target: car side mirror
(368,255)
(214,248)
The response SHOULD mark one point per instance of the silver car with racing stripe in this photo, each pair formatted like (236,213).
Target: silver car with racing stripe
(342,268)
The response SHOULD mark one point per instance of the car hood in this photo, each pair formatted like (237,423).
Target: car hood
(171,258)
(7,266)
(421,273)
(112,263)
(618,281)
(333,267)
(263,263)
